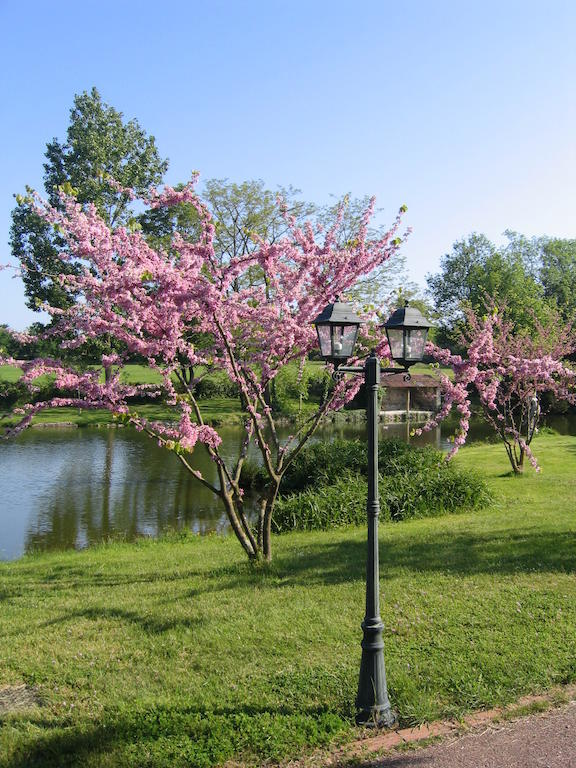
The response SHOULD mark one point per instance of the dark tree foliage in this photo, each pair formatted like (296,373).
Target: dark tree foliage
(35,243)
(100,148)
(558,275)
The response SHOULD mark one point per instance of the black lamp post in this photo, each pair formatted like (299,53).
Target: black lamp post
(337,327)
(407,331)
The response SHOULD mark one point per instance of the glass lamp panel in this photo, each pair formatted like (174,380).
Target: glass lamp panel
(415,343)
(324,340)
(396,342)
(347,339)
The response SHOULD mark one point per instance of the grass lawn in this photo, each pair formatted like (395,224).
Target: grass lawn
(10,373)
(217,409)
(178,653)
(132,374)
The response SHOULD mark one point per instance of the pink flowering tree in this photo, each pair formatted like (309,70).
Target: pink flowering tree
(185,312)
(509,372)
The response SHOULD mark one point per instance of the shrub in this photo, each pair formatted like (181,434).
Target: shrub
(328,486)
(321,463)
(432,492)
(216,386)
(252,476)
(318,509)
(291,384)
(11,392)
(15,393)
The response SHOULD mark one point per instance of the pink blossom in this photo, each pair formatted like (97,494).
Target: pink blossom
(153,302)
(509,372)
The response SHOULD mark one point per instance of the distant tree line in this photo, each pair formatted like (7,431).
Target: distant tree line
(103,154)
(534,278)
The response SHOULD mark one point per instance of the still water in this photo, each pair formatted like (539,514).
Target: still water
(70,488)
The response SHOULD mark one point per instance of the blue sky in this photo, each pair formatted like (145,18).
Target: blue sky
(464,111)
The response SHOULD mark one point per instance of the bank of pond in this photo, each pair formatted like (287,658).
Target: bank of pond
(72,488)
(178,653)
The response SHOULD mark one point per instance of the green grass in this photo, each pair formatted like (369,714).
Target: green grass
(178,653)
(132,374)
(10,373)
(216,410)
(140,374)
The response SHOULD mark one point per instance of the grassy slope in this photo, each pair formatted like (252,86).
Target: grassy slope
(214,410)
(132,374)
(178,653)
(217,410)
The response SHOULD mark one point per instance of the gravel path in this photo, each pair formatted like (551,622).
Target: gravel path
(546,740)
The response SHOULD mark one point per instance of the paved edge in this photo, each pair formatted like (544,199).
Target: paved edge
(388,742)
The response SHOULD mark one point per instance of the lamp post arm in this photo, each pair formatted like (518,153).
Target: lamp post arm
(405,371)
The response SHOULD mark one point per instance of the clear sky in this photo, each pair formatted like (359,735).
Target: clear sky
(465,111)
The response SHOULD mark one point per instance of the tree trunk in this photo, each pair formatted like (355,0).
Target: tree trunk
(516,462)
(266,524)
(521,460)
(269,395)
(248,543)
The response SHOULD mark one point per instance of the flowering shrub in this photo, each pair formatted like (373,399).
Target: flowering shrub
(183,309)
(510,372)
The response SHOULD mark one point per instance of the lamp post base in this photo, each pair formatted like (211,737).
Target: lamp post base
(373,708)
(377,717)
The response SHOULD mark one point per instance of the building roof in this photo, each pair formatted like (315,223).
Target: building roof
(417,380)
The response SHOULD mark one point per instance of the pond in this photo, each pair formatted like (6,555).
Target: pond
(70,488)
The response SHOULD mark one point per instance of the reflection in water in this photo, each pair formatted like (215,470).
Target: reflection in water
(113,483)
(69,488)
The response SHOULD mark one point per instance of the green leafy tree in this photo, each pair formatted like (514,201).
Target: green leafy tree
(451,288)
(476,273)
(102,151)
(8,344)
(245,212)
(36,244)
(558,275)
(159,225)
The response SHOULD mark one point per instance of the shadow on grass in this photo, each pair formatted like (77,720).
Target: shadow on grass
(148,623)
(452,553)
(462,553)
(172,735)
(9,595)
(465,554)
(69,576)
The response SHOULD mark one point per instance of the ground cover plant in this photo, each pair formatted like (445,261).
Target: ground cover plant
(181,653)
